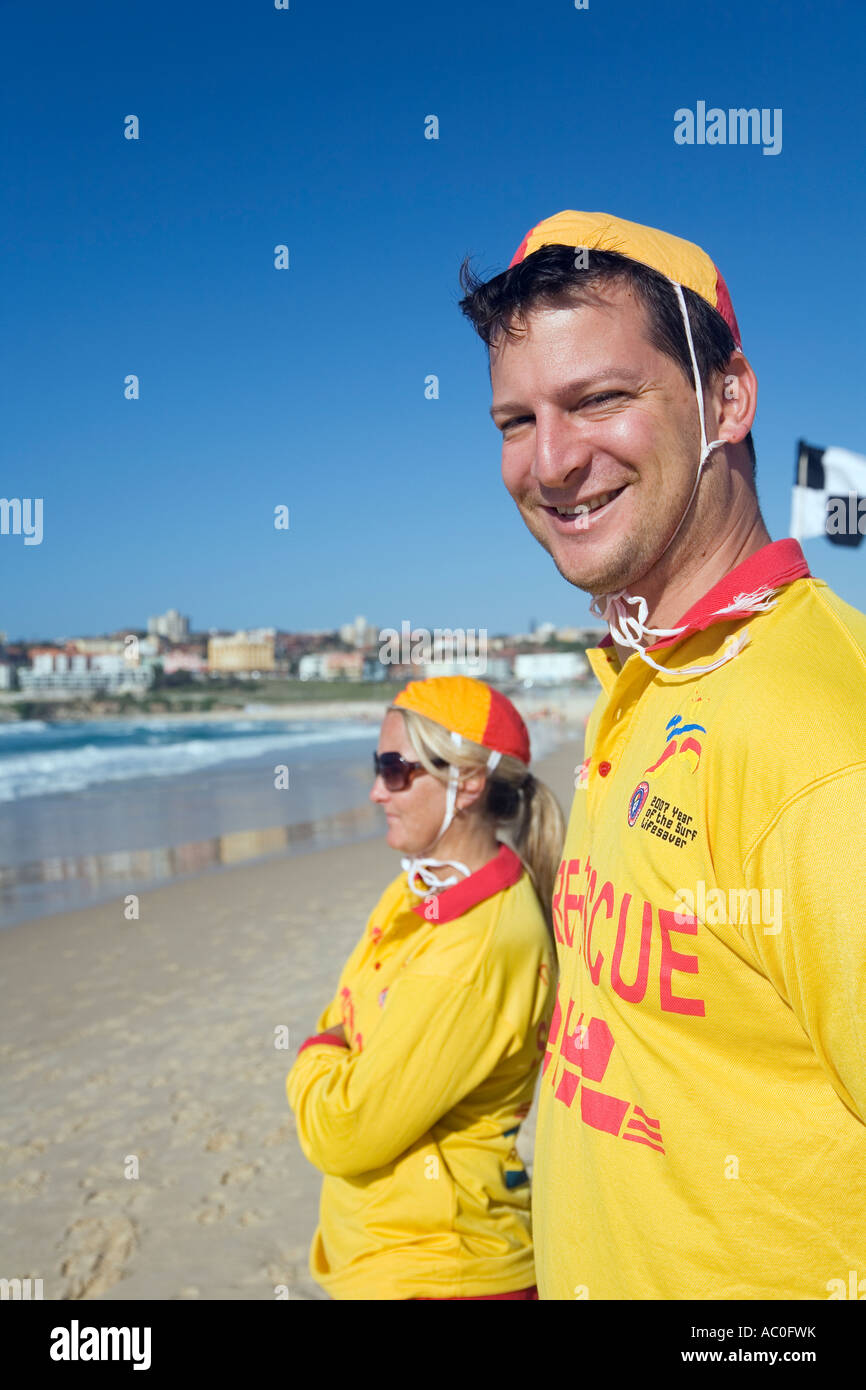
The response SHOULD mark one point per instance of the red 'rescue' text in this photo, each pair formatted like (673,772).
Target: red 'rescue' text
(581,907)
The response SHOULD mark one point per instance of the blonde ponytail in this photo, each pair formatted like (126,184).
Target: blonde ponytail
(539,840)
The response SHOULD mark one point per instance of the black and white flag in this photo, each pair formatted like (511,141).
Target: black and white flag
(829,495)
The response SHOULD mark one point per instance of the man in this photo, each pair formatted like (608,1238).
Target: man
(701,1117)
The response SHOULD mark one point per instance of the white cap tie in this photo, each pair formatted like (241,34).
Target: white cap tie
(421,868)
(629,629)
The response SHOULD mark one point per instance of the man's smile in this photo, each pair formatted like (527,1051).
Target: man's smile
(580,515)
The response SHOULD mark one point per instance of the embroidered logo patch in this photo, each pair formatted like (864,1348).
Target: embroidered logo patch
(684,748)
(638,797)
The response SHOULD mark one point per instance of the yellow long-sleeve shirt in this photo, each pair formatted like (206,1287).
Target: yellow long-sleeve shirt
(446,1004)
(702,1114)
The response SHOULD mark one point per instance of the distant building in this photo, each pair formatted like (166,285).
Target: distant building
(398,671)
(251,650)
(130,646)
(95,646)
(481,667)
(7,675)
(334,666)
(172,625)
(79,673)
(184,659)
(373,669)
(549,668)
(360,633)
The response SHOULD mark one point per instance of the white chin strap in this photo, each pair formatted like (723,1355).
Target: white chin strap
(421,867)
(630,629)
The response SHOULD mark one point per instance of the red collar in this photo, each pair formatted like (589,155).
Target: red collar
(501,872)
(777,563)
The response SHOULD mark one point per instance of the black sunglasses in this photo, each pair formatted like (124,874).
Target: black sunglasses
(396,772)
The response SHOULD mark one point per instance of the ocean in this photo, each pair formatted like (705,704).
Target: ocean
(99,809)
(102,808)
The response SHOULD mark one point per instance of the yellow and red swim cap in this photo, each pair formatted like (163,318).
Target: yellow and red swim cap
(472,709)
(670,255)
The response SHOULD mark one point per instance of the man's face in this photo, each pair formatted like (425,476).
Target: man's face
(588,407)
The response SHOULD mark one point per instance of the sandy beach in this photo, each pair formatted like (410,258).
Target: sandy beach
(148,1046)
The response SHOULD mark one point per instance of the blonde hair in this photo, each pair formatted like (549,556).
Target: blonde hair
(512,794)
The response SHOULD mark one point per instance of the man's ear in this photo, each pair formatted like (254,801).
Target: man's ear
(735,398)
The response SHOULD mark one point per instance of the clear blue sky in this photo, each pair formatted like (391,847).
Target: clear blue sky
(306,387)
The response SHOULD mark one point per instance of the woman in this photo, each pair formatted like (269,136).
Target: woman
(411,1092)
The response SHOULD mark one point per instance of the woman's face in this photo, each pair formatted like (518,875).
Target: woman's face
(414,815)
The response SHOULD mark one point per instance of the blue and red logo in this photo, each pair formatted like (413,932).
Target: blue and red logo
(677,746)
(638,797)
(680,745)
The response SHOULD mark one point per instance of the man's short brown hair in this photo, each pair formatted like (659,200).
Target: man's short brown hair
(556,275)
